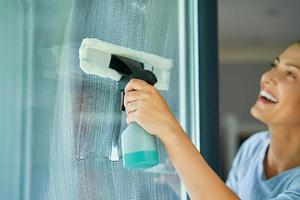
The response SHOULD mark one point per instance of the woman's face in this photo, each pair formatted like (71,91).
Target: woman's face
(278,102)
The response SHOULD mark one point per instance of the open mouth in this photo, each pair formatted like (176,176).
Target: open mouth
(267,97)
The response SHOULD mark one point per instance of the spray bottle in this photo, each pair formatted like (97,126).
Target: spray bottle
(139,149)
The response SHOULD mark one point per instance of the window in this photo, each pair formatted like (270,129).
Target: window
(57,123)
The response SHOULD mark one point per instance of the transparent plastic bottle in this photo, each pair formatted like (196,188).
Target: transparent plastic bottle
(139,148)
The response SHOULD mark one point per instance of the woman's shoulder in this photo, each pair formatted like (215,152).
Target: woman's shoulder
(256,140)
(254,146)
(249,154)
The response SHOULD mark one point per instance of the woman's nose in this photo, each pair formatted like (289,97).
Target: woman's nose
(269,77)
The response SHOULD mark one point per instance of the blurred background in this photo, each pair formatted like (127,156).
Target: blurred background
(251,35)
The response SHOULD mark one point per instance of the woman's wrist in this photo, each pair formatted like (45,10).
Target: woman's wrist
(171,133)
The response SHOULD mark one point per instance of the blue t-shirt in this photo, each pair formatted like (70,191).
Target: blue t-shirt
(246,177)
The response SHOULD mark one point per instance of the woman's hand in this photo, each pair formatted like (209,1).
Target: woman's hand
(147,107)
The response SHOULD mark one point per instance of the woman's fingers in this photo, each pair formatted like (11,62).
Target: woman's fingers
(137,92)
(135,95)
(145,106)
(136,85)
(131,107)
(131,117)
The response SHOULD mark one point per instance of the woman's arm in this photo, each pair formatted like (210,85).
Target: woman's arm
(200,180)
(147,107)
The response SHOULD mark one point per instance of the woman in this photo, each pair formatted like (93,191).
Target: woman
(267,165)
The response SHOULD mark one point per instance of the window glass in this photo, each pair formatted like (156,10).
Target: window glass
(57,124)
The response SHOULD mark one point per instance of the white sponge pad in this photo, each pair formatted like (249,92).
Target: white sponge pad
(95,57)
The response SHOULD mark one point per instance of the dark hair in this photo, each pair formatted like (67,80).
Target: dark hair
(297,42)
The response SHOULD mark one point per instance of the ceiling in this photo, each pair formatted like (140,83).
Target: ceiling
(254,30)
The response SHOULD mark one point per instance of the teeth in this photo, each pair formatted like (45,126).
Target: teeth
(268,96)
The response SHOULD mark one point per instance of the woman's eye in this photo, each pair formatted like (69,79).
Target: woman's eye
(290,74)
